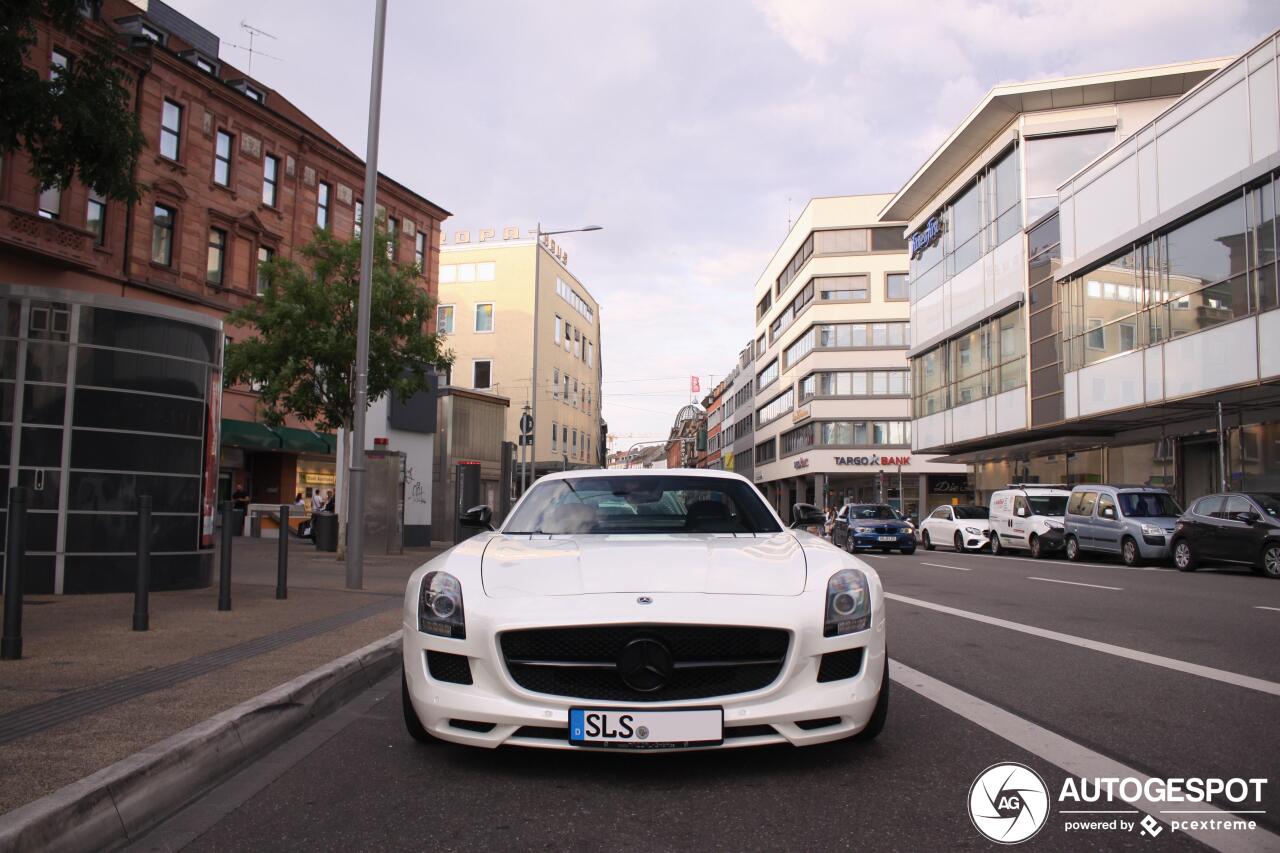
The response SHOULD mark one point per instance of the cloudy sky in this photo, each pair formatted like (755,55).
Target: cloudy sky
(689,130)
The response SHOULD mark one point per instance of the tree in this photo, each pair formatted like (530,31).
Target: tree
(79,124)
(301,359)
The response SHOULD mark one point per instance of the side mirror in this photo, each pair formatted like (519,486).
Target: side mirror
(803,515)
(1108,512)
(1248,517)
(1021,512)
(911,519)
(478,516)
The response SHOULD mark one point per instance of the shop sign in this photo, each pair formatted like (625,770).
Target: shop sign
(801,464)
(317,478)
(949,484)
(925,237)
(873,460)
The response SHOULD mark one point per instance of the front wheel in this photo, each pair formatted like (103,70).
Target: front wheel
(416,730)
(959,543)
(926,541)
(996,548)
(1183,557)
(908,551)
(1129,553)
(1271,560)
(876,724)
(1073,549)
(1035,546)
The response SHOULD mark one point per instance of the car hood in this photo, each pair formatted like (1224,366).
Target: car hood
(880,522)
(523,566)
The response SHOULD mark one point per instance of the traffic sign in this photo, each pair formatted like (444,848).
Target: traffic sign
(526,423)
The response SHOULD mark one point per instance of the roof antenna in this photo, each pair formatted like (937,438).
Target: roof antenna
(788,214)
(253,33)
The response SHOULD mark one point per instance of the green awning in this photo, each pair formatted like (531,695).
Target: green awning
(249,435)
(306,441)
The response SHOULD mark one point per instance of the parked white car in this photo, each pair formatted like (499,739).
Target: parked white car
(652,610)
(1028,518)
(962,528)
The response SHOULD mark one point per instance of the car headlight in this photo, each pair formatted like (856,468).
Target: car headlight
(848,603)
(440,606)
(973,531)
(863,530)
(1152,530)
(1052,525)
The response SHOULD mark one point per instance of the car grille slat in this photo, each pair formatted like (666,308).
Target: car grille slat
(705,660)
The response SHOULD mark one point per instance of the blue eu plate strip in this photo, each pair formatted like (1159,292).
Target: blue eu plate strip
(576,724)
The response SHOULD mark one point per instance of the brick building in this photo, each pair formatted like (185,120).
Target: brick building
(234,174)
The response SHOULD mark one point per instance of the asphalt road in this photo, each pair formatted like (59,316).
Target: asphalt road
(1042,662)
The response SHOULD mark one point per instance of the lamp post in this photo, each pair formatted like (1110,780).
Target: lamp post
(525,479)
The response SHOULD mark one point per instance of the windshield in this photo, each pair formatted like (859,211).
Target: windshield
(872,511)
(972,512)
(1148,505)
(1048,504)
(1270,504)
(642,504)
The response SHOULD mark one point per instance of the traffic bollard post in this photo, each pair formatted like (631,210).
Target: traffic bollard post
(15,555)
(142,585)
(282,556)
(224,557)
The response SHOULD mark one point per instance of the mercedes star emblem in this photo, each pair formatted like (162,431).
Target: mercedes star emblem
(644,599)
(645,665)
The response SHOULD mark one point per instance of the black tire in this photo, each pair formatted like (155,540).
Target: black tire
(996,548)
(1270,561)
(926,541)
(1184,557)
(1034,543)
(1130,555)
(875,725)
(958,543)
(908,551)
(1073,549)
(411,722)
(886,550)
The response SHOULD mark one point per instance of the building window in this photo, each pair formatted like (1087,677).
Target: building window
(856,383)
(591,359)
(444,319)
(270,179)
(484,317)
(775,408)
(577,343)
(95,217)
(265,255)
(555,383)
(59,64)
(322,206)
(486,271)
(568,337)
(222,159)
(555,437)
(767,376)
(217,256)
(420,251)
(481,374)
(844,288)
(983,362)
(170,130)
(766,451)
(848,336)
(49,205)
(359,221)
(393,238)
(162,220)
(559,329)
(568,294)
(895,287)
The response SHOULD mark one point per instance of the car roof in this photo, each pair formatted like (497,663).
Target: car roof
(588,473)
(1038,490)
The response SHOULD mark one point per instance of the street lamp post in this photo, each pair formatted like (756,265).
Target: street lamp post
(526,479)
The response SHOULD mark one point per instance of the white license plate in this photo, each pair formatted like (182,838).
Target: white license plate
(888,538)
(645,729)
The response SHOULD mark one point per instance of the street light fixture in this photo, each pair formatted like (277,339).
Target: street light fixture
(533,377)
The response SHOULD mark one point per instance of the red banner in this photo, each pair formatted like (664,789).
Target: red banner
(694,385)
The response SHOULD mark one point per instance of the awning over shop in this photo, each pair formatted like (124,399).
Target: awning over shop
(306,441)
(249,435)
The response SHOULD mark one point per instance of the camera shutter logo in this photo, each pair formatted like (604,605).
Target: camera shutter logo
(1008,803)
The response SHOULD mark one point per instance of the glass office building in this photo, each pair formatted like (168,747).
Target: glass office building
(103,400)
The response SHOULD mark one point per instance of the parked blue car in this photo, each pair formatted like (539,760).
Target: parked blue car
(873,527)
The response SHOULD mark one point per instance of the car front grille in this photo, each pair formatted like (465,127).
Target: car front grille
(644,663)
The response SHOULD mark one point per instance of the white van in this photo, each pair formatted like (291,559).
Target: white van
(1028,518)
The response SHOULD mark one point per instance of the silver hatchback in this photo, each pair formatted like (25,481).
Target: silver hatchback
(1134,522)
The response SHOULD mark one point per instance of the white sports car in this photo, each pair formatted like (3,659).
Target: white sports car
(650,610)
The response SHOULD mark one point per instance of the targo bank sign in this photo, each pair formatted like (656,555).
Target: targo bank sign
(873,459)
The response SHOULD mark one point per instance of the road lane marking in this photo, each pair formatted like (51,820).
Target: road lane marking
(1264,607)
(940,566)
(1248,682)
(1045,562)
(1075,758)
(1077,583)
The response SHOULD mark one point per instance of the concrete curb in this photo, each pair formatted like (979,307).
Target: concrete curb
(119,803)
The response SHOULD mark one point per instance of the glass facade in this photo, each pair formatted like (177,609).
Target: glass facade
(1214,268)
(987,360)
(852,434)
(100,404)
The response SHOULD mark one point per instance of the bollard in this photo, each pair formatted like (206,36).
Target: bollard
(142,587)
(224,557)
(282,556)
(15,554)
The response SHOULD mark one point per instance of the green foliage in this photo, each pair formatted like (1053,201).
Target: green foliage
(81,124)
(302,357)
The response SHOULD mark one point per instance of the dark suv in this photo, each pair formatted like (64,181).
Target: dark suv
(1231,528)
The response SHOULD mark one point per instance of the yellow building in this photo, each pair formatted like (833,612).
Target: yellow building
(487,309)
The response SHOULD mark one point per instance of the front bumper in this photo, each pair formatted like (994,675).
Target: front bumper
(1053,540)
(766,716)
(873,541)
(1156,547)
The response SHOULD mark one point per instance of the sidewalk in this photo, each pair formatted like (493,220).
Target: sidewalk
(90,691)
